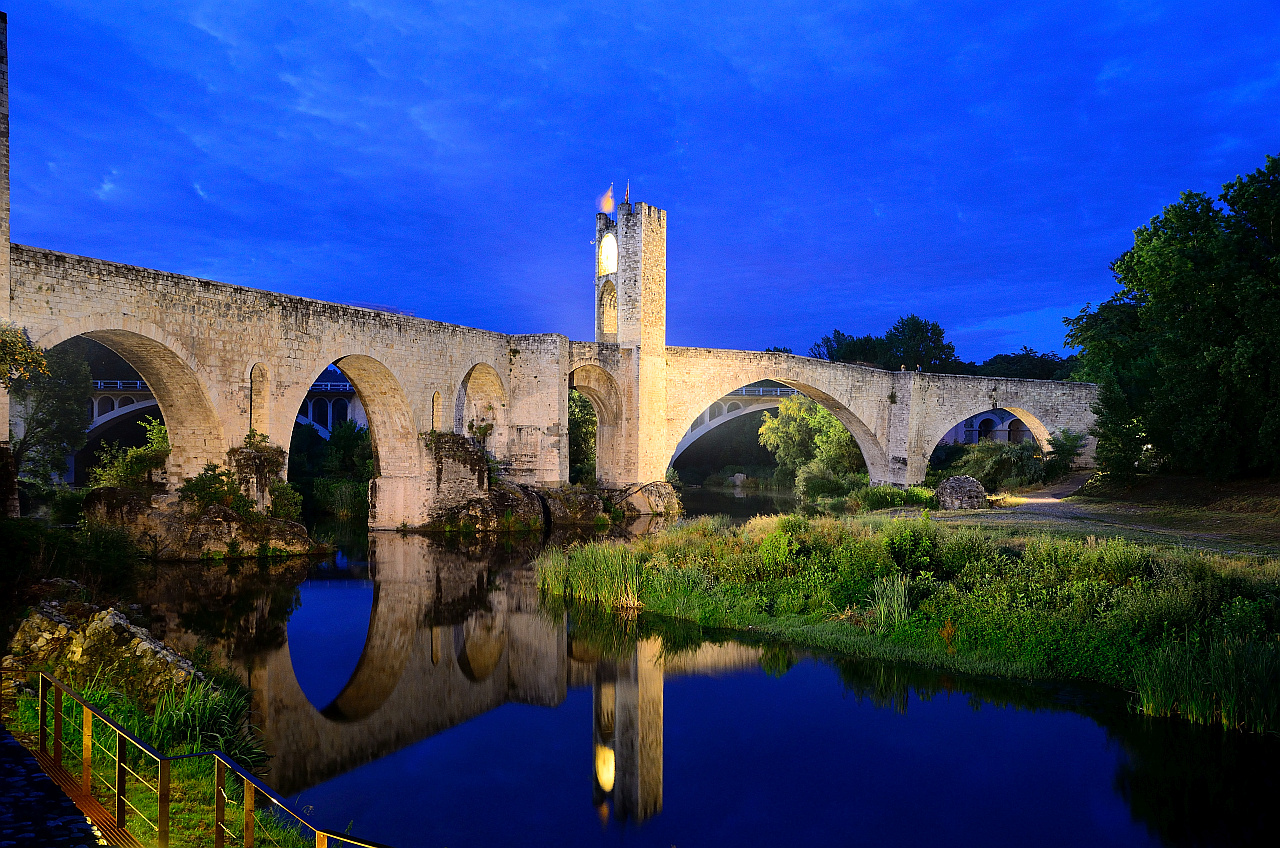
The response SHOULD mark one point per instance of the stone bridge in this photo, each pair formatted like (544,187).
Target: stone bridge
(222,359)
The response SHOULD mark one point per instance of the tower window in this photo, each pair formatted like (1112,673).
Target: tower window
(607,260)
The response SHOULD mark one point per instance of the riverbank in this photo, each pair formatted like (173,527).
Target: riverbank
(1193,634)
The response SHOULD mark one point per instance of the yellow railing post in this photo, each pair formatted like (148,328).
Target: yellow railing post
(162,806)
(219,800)
(57,726)
(44,714)
(86,752)
(322,841)
(248,814)
(120,782)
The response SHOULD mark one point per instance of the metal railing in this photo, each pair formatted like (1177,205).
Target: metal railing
(340,388)
(763,391)
(131,765)
(121,385)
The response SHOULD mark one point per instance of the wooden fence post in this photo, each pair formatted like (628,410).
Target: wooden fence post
(219,801)
(86,753)
(120,782)
(248,814)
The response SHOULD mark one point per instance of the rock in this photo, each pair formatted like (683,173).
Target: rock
(569,506)
(504,506)
(658,498)
(961,493)
(739,479)
(168,530)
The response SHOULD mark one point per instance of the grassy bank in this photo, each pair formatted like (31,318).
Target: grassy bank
(1192,634)
(200,717)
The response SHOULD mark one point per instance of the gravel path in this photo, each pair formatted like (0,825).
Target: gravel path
(33,810)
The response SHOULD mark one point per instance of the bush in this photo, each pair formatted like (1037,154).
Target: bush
(286,501)
(132,468)
(1066,447)
(217,485)
(1003,464)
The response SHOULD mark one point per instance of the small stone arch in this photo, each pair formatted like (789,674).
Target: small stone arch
(482,404)
(437,412)
(733,407)
(599,387)
(987,427)
(106,404)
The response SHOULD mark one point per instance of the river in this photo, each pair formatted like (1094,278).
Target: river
(420,694)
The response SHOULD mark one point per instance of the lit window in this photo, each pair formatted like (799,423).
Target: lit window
(607,262)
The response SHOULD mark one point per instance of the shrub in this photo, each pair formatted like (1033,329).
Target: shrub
(1003,464)
(216,485)
(132,468)
(913,544)
(1066,447)
(286,501)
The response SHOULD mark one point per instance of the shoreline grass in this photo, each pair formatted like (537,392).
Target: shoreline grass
(1137,617)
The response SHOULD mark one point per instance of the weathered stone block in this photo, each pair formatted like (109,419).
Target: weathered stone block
(961,493)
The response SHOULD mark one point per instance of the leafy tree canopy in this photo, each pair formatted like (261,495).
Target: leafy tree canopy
(54,407)
(910,343)
(804,431)
(582,438)
(19,358)
(1185,350)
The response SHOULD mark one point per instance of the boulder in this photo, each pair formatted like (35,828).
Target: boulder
(501,506)
(658,498)
(961,493)
(168,529)
(571,506)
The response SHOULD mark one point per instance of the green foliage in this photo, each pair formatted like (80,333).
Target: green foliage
(218,486)
(1066,448)
(54,407)
(1003,464)
(256,461)
(912,343)
(349,453)
(1185,349)
(286,501)
(20,360)
(804,432)
(1026,364)
(1195,635)
(672,477)
(778,349)
(582,438)
(132,468)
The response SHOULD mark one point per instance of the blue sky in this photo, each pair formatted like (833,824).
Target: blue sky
(822,164)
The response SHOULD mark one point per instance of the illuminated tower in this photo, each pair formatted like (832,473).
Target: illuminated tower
(631,312)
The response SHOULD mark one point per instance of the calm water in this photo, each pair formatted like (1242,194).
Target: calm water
(739,504)
(425,698)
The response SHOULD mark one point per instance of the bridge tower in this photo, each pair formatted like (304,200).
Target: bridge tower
(631,312)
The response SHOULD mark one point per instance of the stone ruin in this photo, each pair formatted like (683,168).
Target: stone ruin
(961,493)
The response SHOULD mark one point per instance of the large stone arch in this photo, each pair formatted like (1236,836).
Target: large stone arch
(183,390)
(707,383)
(396,447)
(602,390)
(483,400)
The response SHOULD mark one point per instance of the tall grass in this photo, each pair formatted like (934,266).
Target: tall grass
(1105,609)
(1229,681)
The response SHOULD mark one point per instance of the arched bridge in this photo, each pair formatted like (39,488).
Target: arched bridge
(222,359)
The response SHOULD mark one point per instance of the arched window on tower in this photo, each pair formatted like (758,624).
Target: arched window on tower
(608,308)
(607,261)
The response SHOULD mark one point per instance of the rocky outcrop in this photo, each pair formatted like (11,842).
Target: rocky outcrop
(501,505)
(167,529)
(961,493)
(571,506)
(658,498)
(106,646)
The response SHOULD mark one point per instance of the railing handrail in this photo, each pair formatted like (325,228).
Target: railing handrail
(121,385)
(763,391)
(339,388)
(219,755)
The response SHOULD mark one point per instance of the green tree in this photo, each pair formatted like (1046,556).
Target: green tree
(1186,349)
(19,358)
(54,408)
(804,431)
(1026,364)
(910,343)
(349,454)
(582,438)
(132,468)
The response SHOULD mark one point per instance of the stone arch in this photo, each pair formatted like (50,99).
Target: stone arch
(607,309)
(872,452)
(106,405)
(987,427)
(386,407)
(482,401)
(1035,427)
(393,626)
(479,644)
(259,399)
(601,389)
(179,384)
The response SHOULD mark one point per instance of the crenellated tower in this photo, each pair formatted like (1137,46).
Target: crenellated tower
(631,312)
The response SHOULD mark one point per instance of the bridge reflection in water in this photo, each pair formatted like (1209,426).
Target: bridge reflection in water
(451,638)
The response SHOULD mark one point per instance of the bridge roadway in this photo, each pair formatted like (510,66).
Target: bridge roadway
(222,359)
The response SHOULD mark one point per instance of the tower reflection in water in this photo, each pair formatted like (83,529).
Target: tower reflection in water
(626,718)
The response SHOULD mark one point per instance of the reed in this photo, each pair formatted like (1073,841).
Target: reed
(1227,681)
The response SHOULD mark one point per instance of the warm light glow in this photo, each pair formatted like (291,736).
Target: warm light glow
(608,261)
(608,309)
(605,201)
(604,768)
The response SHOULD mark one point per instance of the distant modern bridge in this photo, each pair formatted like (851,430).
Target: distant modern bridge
(221,359)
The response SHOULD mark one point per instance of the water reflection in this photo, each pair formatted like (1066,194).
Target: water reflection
(457,650)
